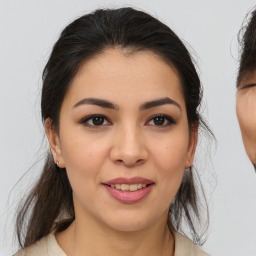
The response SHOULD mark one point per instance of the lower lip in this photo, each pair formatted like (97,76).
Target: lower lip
(129,197)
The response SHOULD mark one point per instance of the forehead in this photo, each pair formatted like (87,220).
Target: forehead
(117,75)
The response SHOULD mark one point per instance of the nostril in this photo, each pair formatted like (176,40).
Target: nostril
(129,162)
(139,161)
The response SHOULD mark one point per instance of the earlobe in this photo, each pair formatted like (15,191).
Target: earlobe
(192,145)
(54,143)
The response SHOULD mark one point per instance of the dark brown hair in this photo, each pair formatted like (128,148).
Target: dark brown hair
(126,28)
(247,39)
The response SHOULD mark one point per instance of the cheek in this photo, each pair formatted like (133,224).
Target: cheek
(170,160)
(170,151)
(246,113)
(83,156)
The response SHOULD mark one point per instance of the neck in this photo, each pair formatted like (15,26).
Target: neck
(85,238)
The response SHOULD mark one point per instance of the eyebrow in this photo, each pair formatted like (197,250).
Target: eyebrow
(107,104)
(159,102)
(97,102)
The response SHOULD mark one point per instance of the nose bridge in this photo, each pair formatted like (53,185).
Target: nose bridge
(129,146)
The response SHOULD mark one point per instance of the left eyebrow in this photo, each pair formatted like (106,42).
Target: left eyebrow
(159,102)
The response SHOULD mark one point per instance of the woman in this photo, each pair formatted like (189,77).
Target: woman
(246,89)
(120,104)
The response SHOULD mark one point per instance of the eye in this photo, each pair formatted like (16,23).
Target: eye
(95,121)
(248,86)
(161,120)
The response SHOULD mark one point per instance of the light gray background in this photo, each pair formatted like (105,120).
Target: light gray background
(28,30)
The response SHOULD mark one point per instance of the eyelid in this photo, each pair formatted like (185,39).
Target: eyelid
(85,120)
(170,119)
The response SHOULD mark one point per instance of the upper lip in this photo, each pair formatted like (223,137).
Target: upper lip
(133,180)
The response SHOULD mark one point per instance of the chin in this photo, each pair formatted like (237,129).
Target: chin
(129,223)
(128,226)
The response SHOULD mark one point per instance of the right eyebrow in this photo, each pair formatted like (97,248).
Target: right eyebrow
(97,102)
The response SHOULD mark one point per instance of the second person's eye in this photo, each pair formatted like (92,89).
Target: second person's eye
(248,86)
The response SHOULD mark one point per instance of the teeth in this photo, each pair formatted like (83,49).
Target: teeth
(127,187)
(133,187)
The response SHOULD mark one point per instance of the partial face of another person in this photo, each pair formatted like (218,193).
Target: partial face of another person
(246,113)
(124,139)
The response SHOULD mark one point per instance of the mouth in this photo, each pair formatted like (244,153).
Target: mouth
(129,191)
(128,187)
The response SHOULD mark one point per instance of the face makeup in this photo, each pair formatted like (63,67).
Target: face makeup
(124,140)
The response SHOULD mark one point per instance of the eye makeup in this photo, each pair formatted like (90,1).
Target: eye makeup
(95,121)
(161,120)
(99,120)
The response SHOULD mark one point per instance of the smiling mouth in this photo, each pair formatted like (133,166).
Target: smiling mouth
(129,193)
(129,187)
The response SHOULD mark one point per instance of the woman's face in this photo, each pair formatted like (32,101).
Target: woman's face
(246,113)
(124,139)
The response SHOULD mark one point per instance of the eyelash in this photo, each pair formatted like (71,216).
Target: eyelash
(86,121)
(170,121)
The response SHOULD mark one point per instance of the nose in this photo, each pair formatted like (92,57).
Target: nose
(129,147)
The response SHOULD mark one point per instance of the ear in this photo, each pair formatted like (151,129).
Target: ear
(54,142)
(192,145)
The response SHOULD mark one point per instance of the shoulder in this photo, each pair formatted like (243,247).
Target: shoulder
(39,248)
(46,246)
(185,247)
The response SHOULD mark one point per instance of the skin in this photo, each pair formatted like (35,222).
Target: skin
(129,143)
(246,113)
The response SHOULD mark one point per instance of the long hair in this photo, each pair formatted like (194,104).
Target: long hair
(126,28)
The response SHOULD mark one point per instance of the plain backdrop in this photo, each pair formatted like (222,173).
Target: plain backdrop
(28,30)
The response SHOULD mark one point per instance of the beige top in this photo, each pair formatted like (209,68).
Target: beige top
(48,246)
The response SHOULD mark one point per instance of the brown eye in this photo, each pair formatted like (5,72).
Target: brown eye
(161,120)
(95,120)
(98,120)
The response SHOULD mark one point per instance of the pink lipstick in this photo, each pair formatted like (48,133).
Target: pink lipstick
(129,191)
